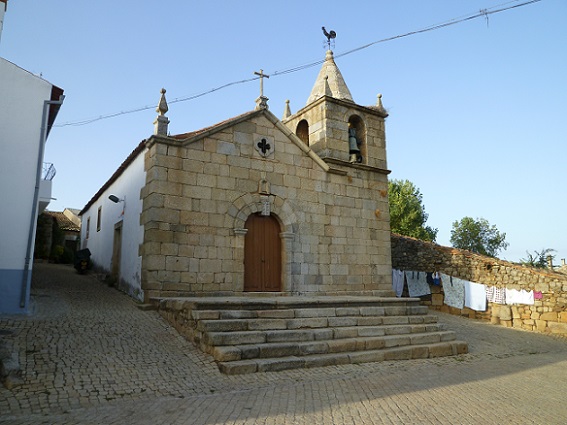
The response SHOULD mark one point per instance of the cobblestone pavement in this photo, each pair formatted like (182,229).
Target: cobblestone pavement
(90,356)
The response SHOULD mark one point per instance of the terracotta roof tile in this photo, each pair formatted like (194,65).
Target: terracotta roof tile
(62,221)
(184,136)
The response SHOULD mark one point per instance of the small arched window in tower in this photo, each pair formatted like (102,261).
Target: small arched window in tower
(302,131)
(357,140)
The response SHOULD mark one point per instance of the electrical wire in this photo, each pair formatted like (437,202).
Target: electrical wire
(481,13)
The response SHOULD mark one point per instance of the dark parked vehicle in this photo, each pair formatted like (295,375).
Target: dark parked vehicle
(82,260)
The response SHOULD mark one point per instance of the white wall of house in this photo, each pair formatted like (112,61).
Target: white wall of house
(22,97)
(127,214)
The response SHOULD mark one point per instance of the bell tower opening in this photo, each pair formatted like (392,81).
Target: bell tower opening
(357,140)
(302,131)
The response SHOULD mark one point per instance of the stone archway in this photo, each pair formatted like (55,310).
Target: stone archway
(267,205)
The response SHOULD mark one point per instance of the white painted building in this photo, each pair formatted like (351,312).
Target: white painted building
(105,221)
(28,108)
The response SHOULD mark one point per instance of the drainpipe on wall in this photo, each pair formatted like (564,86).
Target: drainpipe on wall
(31,236)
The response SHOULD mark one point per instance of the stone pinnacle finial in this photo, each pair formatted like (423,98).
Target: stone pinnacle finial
(287,110)
(162,107)
(161,122)
(327,88)
(379,102)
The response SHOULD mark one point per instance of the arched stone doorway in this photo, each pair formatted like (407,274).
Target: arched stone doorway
(262,254)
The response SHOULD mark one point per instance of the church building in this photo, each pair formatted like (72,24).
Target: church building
(253,204)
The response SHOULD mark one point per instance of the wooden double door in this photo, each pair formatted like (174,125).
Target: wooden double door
(262,254)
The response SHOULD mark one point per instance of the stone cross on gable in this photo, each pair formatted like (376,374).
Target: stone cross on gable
(261,75)
(262,101)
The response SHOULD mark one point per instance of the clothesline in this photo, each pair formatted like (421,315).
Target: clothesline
(459,293)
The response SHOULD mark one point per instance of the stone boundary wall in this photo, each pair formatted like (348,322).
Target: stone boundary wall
(547,315)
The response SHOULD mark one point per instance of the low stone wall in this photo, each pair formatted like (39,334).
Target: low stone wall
(548,314)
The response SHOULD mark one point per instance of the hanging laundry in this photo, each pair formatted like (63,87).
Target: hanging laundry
(538,295)
(489,293)
(417,284)
(436,279)
(513,296)
(527,297)
(475,296)
(398,282)
(495,295)
(454,290)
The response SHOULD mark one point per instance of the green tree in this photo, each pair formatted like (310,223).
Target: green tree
(538,259)
(407,213)
(477,236)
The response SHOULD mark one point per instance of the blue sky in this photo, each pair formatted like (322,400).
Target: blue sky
(477,109)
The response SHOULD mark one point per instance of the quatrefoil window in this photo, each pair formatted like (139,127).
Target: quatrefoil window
(264,146)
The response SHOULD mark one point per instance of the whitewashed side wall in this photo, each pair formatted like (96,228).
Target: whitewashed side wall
(22,95)
(101,242)
(21,107)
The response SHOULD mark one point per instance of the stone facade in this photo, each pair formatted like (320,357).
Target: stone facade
(204,189)
(201,188)
(548,314)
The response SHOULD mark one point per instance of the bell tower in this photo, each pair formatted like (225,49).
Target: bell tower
(335,127)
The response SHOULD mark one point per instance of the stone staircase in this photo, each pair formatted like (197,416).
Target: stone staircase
(250,334)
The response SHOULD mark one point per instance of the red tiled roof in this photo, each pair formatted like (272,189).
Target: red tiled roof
(184,136)
(62,221)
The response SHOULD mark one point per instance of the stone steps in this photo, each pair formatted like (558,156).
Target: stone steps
(312,323)
(242,351)
(440,349)
(267,336)
(250,334)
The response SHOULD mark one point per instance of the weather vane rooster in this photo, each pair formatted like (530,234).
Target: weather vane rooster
(330,36)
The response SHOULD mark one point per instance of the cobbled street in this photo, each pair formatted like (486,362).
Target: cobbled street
(89,355)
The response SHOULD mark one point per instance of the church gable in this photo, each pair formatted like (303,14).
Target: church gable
(256,135)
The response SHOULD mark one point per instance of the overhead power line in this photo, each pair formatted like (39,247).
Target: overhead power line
(483,13)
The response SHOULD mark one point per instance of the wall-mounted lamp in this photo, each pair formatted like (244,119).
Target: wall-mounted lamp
(115,199)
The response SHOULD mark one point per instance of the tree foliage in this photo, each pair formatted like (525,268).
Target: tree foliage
(407,213)
(478,236)
(538,259)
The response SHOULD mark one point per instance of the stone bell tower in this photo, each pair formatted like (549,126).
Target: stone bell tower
(335,127)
